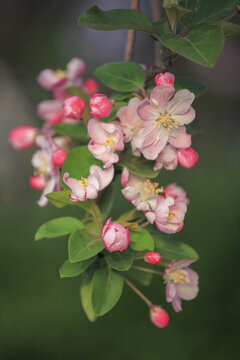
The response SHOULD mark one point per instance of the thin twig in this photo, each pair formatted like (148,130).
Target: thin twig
(236,12)
(144,224)
(140,268)
(138,292)
(194,14)
(156,16)
(184,19)
(130,215)
(131,35)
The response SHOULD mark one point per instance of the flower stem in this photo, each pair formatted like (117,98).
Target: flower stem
(130,215)
(144,224)
(98,222)
(147,270)
(138,292)
(131,35)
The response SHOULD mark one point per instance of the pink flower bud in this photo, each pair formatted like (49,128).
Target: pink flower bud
(166,79)
(23,137)
(115,237)
(152,258)
(37,182)
(187,157)
(159,316)
(100,106)
(73,107)
(91,86)
(58,157)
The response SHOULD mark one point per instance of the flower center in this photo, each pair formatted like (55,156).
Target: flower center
(150,188)
(178,277)
(170,215)
(83,182)
(136,127)
(60,73)
(167,121)
(109,142)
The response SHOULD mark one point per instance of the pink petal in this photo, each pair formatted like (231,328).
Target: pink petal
(160,97)
(147,111)
(187,292)
(96,131)
(75,68)
(181,102)
(179,138)
(177,304)
(186,118)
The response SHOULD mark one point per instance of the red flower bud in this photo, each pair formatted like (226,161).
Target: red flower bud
(165,79)
(58,157)
(152,258)
(159,316)
(23,137)
(100,106)
(187,157)
(73,107)
(37,182)
(91,86)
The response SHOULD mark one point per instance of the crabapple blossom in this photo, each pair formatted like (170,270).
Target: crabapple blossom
(58,157)
(91,86)
(182,283)
(159,317)
(187,157)
(37,182)
(100,106)
(115,237)
(23,137)
(152,258)
(51,111)
(164,119)
(176,192)
(73,107)
(88,188)
(165,79)
(106,138)
(167,158)
(130,121)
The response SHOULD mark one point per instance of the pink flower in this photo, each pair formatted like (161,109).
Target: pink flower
(91,86)
(37,182)
(182,283)
(164,121)
(176,192)
(152,258)
(23,137)
(115,237)
(73,107)
(167,158)
(58,157)
(159,316)
(106,139)
(130,121)
(187,157)
(169,215)
(100,106)
(88,188)
(51,111)
(166,79)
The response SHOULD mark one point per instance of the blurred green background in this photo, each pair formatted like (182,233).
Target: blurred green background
(40,314)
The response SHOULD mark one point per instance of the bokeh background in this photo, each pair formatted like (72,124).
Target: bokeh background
(40,314)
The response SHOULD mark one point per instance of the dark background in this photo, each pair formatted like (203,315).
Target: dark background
(41,315)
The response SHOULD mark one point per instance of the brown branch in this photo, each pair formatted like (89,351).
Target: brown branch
(156,16)
(131,35)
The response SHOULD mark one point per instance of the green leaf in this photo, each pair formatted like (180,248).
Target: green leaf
(58,227)
(141,240)
(173,249)
(143,278)
(121,76)
(78,131)
(174,12)
(230,30)
(107,288)
(195,86)
(78,162)
(98,19)
(140,167)
(86,297)
(121,96)
(202,44)
(106,200)
(69,269)
(62,198)
(121,261)
(82,246)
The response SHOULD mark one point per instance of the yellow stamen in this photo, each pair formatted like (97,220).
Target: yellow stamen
(150,188)
(177,277)
(167,121)
(109,142)
(170,215)
(136,127)
(83,182)
(60,73)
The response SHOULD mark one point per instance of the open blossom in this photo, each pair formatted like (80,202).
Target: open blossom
(100,106)
(159,317)
(23,137)
(164,119)
(73,107)
(130,121)
(165,79)
(51,111)
(106,138)
(187,157)
(115,237)
(88,188)
(182,283)
(176,192)
(140,191)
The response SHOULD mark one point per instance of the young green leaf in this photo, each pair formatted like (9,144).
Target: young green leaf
(62,198)
(82,246)
(140,167)
(230,29)
(86,297)
(121,76)
(78,131)
(202,44)
(58,227)
(69,269)
(105,201)
(121,261)
(141,240)
(173,249)
(107,288)
(195,86)
(98,19)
